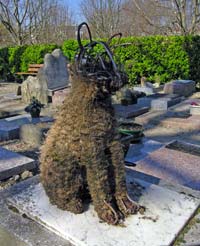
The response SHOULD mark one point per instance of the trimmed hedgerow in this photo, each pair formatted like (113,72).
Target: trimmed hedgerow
(159,58)
(4,65)
(34,54)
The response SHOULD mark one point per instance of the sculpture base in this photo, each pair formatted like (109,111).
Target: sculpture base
(166,213)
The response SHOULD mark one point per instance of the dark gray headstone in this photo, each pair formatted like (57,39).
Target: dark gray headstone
(55,70)
(51,77)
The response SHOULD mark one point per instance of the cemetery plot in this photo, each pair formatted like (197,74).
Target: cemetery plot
(139,151)
(10,127)
(175,163)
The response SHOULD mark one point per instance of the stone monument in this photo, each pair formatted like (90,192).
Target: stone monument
(180,87)
(51,77)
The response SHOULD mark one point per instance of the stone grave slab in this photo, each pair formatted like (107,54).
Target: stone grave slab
(139,151)
(173,165)
(10,127)
(146,90)
(166,213)
(180,87)
(12,163)
(164,103)
(147,101)
(195,110)
(151,117)
(129,111)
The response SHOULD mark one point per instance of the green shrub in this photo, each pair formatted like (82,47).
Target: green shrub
(4,67)
(69,48)
(34,54)
(15,54)
(159,58)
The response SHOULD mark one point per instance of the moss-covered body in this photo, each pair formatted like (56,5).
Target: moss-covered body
(82,153)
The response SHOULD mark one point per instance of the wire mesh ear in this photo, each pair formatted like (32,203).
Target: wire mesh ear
(98,65)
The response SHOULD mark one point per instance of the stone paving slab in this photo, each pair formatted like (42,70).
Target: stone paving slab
(166,213)
(129,111)
(172,165)
(10,127)
(12,163)
(139,151)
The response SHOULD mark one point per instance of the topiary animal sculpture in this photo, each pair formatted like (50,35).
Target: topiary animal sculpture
(82,153)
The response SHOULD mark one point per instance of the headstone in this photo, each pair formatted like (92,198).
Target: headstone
(34,134)
(51,77)
(166,213)
(55,70)
(10,127)
(180,87)
(33,87)
(139,151)
(172,165)
(12,163)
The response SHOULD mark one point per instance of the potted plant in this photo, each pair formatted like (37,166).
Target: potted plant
(34,108)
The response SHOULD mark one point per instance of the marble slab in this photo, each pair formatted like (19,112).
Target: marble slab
(166,213)
(139,151)
(195,110)
(146,90)
(173,166)
(129,111)
(10,127)
(12,163)
(164,103)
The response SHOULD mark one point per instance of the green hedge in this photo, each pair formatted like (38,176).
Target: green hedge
(4,64)
(159,58)
(16,59)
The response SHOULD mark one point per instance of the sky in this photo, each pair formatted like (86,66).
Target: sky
(74,5)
